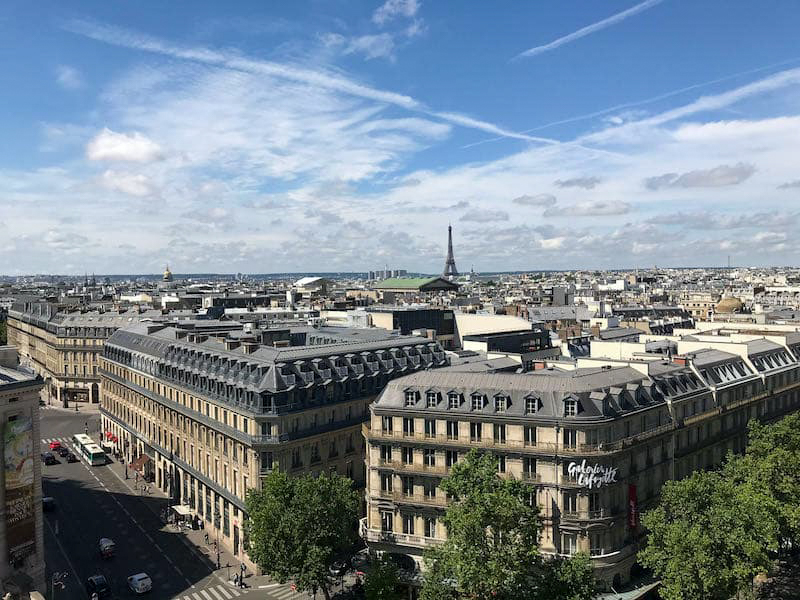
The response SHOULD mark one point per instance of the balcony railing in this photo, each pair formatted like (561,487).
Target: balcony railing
(413,467)
(587,515)
(263,440)
(376,535)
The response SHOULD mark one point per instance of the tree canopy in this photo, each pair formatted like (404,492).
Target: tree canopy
(713,532)
(298,525)
(383,581)
(492,546)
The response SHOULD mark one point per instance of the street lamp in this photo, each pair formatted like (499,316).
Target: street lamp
(216,526)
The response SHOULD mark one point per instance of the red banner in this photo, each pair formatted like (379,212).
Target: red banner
(633,508)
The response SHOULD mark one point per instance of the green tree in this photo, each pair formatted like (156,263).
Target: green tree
(772,464)
(3,335)
(298,525)
(383,581)
(568,578)
(491,551)
(709,536)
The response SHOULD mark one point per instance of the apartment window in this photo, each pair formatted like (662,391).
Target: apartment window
(407,454)
(386,482)
(475,432)
(386,453)
(569,543)
(477,402)
(450,458)
(408,485)
(530,436)
(594,502)
(408,524)
(528,467)
(411,398)
(429,488)
(429,457)
(596,544)
(387,520)
(501,463)
(432,399)
(531,405)
(296,460)
(430,527)
(570,408)
(570,502)
(500,403)
(453,400)
(570,438)
(452,430)
(430,428)
(386,424)
(499,433)
(408,426)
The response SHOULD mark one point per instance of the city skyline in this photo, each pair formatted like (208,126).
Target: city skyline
(330,137)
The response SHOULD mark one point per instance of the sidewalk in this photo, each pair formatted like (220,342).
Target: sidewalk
(194,540)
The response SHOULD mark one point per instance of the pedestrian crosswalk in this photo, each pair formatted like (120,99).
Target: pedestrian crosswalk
(217,592)
(63,440)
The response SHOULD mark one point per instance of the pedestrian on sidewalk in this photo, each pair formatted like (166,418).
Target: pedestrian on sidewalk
(206,537)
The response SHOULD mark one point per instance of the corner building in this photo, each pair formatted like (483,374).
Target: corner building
(205,418)
(595,444)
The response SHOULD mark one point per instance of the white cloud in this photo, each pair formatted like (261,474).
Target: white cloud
(722,175)
(584,31)
(552,243)
(128,183)
(392,9)
(371,46)
(587,183)
(482,216)
(589,209)
(537,200)
(68,77)
(113,146)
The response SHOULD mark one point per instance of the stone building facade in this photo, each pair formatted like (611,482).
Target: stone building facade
(595,444)
(205,418)
(22,554)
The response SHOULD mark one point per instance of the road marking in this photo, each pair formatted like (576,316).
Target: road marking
(225,593)
(215,593)
(271,585)
(64,552)
(205,594)
(235,592)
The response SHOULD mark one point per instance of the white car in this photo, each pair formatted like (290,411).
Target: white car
(140,583)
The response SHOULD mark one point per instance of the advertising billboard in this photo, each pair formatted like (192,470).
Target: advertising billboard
(19,463)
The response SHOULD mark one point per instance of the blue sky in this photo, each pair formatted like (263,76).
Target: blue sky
(345,135)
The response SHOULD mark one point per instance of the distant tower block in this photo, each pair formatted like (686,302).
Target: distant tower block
(450,264)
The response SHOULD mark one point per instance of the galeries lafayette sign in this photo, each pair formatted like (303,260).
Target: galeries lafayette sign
(592,476)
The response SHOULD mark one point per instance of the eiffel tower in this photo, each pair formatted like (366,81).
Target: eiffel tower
(450,264)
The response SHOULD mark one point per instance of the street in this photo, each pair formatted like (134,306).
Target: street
(95,502)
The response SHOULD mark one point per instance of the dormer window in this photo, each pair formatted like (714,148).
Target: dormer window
(453,400)
(531,406)
(500,403)
(432,399)
(477,402)
(570,408)
(411,398)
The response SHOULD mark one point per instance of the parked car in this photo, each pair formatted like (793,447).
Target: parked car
(55,445)
(107,547)
(97,584)
(63,451)
(49,458)
(71,458)
(338,568)
(48,504)
(140,583)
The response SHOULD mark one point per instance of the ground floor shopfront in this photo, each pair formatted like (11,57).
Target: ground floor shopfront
(222,515)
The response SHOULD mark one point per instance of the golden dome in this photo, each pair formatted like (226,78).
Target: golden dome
(167,274)
(728,305)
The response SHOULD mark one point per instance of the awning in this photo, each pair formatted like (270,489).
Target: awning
(138,463)
(182,510)
(109,435)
